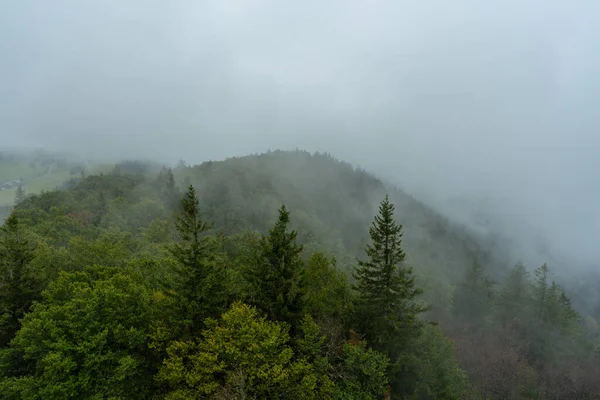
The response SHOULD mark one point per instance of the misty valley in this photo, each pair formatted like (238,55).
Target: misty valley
(285,274)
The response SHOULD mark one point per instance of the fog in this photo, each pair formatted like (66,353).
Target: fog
(466,104)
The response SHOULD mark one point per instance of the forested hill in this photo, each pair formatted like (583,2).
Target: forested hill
(332,202)
(240,279)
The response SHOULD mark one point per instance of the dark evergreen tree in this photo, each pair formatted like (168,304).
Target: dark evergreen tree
(19,286)
(540,290)
(514,299)
(553,305)
(387,311)
(473,297)
(168,190)
(203,277)
(275,275)
(20,195)
(555,324)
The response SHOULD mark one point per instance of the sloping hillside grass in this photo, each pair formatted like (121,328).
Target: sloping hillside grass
(39,172)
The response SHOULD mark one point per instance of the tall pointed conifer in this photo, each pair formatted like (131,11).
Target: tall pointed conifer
(275,275)
(204,282)
(386,307)
(20,195)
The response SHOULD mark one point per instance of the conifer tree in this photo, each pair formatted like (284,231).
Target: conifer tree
(553,305)
(386,307)
(204,280)
(169,192)
(275,275)
(20,195)
(473,297)
(540,289)
(514,298)
(19,287)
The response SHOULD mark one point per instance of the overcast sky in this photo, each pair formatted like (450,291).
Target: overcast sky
(495,100)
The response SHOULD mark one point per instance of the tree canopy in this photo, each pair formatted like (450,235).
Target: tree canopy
(273,276)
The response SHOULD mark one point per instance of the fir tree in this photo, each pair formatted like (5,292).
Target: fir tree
(540,289)
(275,275)
(20,195)
(554,306)
(514,298)
(386,307)
(169,192)
(204,280)
(473,297)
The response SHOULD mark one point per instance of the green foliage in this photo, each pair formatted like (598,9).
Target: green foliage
(86,339)
(311,347)
(168,190)
(514,297)
(104,331)
(327,290)
(204,281)
(275,274)
(19,285)
(438,374)
(387,310)
(362,374)
(531,336)
(473,297)
(19,195)
(243,355)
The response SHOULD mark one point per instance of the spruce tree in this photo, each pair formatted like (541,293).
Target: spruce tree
(20,195)
(168,190)
(275,275)
(540,290)
(473,297)
(204,280)
(514,299)
(553,305)
(386,307)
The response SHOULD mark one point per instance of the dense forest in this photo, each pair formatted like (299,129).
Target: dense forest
(281,275)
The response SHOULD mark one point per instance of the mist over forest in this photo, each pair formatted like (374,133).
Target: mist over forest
(465,103)
(480,116)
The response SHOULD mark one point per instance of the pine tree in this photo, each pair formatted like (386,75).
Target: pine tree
(540,289)
(204,280)
(19,286)
(275,276)
(514,298)
(473,297)
(168,190)
(20,195)
(386,307)
(555,324)
(553,304)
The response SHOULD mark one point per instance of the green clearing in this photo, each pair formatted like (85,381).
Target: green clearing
(37,178)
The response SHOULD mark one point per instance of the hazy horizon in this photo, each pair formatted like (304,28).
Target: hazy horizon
(463,104)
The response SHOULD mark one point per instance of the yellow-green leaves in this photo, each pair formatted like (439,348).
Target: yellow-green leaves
(243,351)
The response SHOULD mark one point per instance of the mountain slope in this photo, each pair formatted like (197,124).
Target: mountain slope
(330,198)
(331,202)
(124,219)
